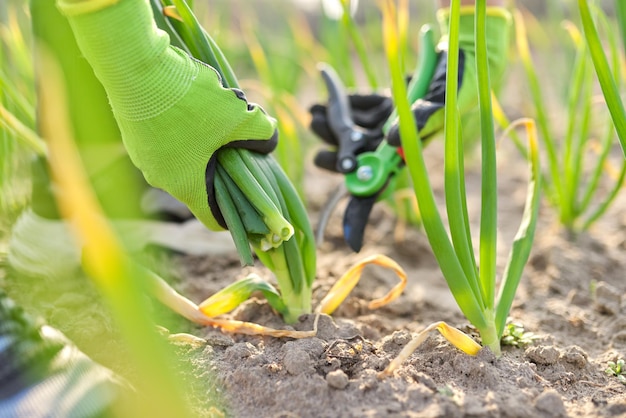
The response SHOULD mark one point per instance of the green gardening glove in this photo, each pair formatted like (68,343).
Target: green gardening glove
(172,110)
(429,110)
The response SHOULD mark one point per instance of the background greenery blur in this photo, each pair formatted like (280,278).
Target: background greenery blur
(275,57)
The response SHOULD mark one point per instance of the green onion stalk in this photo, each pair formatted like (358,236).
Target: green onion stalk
(603,70)
(620,12)
(474,290)
(260,205)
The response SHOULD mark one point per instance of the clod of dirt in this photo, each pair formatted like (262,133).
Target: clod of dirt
(425,380)
(394,343)
(478,367)
(576,356)
(337,379)
(617,409)
(240,351)
(217,339)
(578,297)
(326,327)
(551,403)
(608,299)
(314,346)
(543,354)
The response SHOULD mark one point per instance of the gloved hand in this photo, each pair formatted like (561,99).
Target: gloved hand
(172,110)
(369,112)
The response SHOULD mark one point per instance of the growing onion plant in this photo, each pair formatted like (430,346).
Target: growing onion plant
(577,163)
(473,281)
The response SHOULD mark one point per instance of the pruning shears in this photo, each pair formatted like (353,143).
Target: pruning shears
(368,174)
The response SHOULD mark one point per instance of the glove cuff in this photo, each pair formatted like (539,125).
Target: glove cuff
(498,24)
(443,15)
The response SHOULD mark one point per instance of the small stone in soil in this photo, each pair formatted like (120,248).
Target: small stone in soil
(337,379)
(297,362)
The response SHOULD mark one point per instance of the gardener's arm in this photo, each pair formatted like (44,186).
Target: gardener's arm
(172,110)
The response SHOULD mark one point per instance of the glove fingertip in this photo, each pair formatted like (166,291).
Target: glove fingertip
(320,127)
(262,146)
(318,108)
(326,160)
(366,101)
(209,178)
(393,136)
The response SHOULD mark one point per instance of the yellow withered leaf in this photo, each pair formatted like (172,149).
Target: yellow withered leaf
(185,307)
(454,336)
(342,288)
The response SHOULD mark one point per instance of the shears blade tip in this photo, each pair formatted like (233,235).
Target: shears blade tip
(355,220)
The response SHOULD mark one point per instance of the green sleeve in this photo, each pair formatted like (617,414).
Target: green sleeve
(498,24)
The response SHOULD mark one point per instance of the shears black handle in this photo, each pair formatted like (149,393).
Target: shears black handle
(351,138)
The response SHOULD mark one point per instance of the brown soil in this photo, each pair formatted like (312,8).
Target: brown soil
(571,297)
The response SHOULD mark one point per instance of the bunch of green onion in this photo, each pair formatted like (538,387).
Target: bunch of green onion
(259,203)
